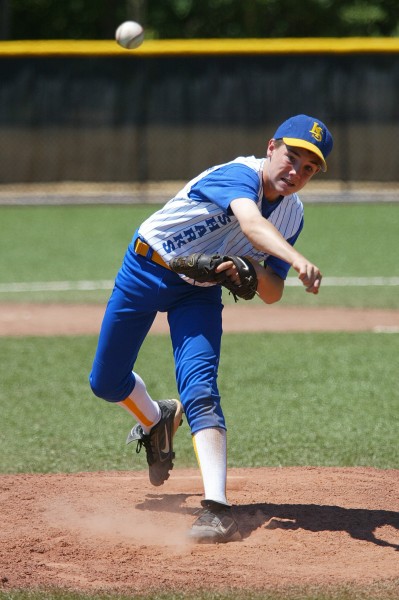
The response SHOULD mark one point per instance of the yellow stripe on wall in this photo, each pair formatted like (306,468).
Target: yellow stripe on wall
(200,47)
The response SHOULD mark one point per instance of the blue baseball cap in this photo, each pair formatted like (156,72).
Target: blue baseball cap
(306,132)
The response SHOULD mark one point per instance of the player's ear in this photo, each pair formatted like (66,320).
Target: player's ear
(271,146)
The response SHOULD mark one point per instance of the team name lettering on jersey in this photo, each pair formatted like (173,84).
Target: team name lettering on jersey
(195,232)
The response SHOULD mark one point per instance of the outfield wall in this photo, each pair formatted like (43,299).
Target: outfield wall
(90,111)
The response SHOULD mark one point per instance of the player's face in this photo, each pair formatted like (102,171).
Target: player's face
(288,169)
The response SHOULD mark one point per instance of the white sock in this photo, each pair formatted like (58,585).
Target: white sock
(210,446)
(140,404)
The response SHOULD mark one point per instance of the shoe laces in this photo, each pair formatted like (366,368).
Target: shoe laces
(206,516)
(146,442)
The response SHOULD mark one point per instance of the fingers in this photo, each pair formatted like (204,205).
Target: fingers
(314,288)
(224,266)
(311,277)
(231,271)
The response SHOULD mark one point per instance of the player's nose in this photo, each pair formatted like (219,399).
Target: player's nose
(295,173)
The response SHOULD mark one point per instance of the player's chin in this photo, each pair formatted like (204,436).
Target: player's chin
(285,188)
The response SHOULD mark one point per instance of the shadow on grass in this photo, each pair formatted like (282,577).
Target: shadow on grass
(359,523)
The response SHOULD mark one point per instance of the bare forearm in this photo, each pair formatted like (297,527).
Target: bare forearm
(270,285)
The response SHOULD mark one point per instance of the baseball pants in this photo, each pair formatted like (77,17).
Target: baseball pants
(142,288)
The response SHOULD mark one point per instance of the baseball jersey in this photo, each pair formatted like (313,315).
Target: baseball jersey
(199,217)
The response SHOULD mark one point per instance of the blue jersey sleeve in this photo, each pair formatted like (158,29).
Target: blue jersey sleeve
(225,184)
(280,267)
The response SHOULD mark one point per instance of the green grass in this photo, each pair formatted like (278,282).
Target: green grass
(353,239)
(305,399)
(349,297)
(54,243)
(386,591)
(74,243)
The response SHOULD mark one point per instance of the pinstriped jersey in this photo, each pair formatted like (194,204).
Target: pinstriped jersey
(199,217)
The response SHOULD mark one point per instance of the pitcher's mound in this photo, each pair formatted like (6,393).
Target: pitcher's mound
(113,531)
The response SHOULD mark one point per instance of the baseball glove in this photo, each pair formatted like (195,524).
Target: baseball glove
(202,268)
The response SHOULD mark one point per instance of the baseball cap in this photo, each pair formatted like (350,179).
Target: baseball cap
(307,132)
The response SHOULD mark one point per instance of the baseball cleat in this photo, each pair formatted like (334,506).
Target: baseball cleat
(215,525)
(158,443)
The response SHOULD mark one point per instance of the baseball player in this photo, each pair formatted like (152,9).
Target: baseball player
(247,207)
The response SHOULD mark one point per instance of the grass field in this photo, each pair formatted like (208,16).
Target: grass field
(320,399)
(342,593)
(346,421)
(74,243)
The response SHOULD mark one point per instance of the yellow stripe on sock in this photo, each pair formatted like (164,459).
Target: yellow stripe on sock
(196,452)
(131,407)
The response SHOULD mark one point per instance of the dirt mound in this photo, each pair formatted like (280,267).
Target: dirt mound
(113,531)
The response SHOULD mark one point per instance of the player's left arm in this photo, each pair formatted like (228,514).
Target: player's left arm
(270,285)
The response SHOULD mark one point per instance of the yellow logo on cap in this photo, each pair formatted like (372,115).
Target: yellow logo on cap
(317,132)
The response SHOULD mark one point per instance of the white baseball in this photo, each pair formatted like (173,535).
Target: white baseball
(129,35)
